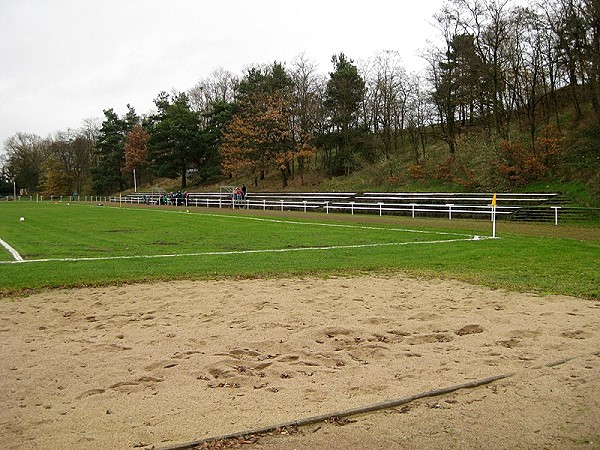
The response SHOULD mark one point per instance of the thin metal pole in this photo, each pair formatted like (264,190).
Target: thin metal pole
(556,208)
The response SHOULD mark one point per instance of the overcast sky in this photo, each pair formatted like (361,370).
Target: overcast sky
(65,61)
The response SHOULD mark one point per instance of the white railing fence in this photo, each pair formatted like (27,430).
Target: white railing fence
(448,205)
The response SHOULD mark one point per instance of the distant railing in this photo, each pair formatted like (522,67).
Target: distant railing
(58,198)
(449,205)
(527,207)
(414,209)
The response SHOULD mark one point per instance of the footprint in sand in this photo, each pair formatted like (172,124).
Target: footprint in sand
(510,343)
(334,331)
(288,358)
(429,339)
(241,353)
(575,334)
(89,393)
(469,329)
(377,320)
(122,386)
(522,334)
(186,354)
(424,317)
(130,386)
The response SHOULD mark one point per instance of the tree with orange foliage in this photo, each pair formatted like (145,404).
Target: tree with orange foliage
(259,141)
(136,150)
(260,135)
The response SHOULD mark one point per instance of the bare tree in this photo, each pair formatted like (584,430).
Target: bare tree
(25,154)
(420,115)
(308,89)
(388,94)
(218,87)
(527,75)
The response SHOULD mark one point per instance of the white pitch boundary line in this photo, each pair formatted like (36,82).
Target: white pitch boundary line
(243,252)
(340,225)
(293,222)
(12,251)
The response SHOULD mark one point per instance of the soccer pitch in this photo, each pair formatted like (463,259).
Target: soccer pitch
(83,244)
(65,232)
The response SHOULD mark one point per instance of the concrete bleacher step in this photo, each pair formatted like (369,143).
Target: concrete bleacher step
(547,214)
(531,207)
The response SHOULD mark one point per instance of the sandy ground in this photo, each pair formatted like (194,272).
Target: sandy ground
(168,363)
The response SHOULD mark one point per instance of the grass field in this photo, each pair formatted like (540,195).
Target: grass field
(77,244)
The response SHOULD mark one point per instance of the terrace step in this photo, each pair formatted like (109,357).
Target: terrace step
(548,214)
(532,207)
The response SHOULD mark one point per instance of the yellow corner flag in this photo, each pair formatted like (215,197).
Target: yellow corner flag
(494,200)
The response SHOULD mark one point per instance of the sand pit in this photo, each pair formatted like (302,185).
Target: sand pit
(167,363)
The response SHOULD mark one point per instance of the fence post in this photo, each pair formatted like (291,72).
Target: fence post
(264,204)
(556,208)
(281,204)
(413,209)
(380,205)
(304,201)
(450,205)
(327,207)
(352,208)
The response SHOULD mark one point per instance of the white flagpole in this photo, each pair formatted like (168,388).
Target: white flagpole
(494,216)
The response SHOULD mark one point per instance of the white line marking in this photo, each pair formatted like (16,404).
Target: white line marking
(12,251)
(293,222)
(339,225)
(243,252)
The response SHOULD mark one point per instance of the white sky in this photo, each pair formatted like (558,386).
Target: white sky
(63,61)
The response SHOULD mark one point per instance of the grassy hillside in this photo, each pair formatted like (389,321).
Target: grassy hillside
(564,158)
